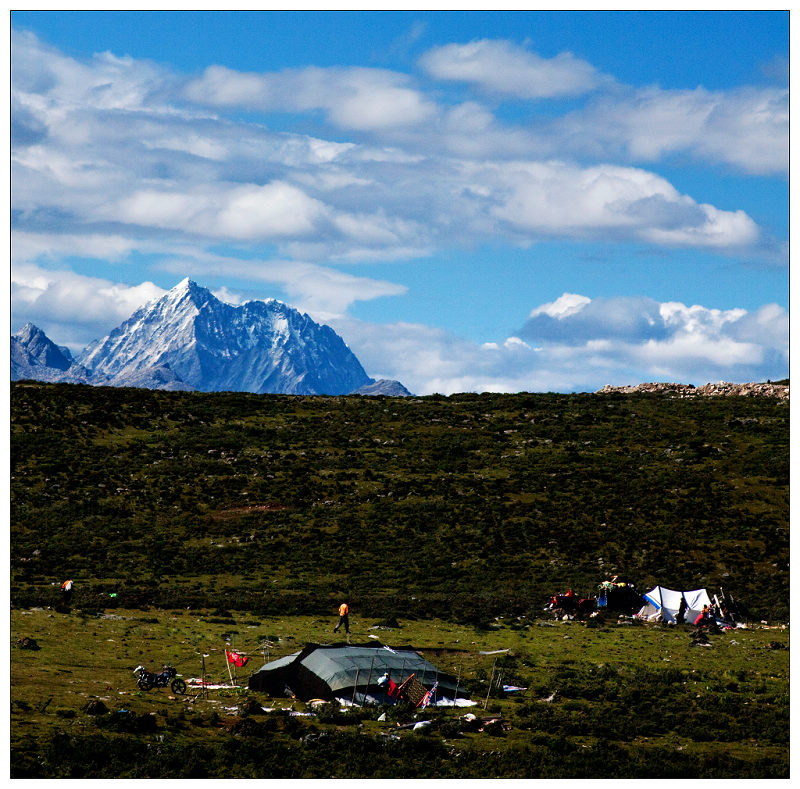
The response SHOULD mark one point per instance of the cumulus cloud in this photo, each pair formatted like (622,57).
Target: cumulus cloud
(499,66)
(582,320)
(670,338)
(587,344)
(558,199)
(565,305)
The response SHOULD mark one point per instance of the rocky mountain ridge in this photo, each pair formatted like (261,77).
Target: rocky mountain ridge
(720,389)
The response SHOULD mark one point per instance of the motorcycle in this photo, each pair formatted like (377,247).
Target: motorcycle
(147,680)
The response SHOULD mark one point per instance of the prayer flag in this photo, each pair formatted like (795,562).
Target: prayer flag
(426,699)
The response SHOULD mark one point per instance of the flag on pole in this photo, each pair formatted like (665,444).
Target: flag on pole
(237,659)
(426,699)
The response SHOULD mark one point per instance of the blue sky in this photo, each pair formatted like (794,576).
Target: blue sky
(475,201)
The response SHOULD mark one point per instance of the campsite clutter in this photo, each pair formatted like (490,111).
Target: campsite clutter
(355,675)
(147,680)
(613,596)
(399,683)
(376,674)
(660,604)
(693,607)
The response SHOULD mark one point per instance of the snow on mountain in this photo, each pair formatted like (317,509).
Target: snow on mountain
(210,346)
(35,357)
(40,350)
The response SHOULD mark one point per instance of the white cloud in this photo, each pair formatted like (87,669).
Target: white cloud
(565,305)
(160,168)
(525,201)
(687,342)
(105,82)
(502,67)
(746,127)
(275,209)
(30,247)
(690,345)
(353,98)
(558,199)
(244,212)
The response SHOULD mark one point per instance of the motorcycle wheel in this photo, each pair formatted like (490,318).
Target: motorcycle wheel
(144,683)
(178,687)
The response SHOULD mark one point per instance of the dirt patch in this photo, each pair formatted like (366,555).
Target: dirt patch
(236,512)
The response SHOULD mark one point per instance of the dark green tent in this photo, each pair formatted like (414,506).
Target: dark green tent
(349,672)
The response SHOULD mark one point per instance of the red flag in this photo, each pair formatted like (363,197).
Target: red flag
(236,658)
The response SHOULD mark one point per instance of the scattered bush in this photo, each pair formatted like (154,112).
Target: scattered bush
(126,721)
(96,707)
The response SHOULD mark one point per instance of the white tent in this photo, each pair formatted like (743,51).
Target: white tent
(664,604)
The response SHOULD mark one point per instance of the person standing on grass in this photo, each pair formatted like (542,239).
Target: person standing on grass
(344,619)
(66,592)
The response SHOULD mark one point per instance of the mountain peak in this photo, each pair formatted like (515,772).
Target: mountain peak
(210,345)
(29,332)
(187,289)
(32,350)
(186,285)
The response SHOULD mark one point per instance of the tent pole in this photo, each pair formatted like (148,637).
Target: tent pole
(355,684)
(228,666)
(369,677)
(458,681)
(491,679)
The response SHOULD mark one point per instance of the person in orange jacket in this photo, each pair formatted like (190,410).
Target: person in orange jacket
(344,618)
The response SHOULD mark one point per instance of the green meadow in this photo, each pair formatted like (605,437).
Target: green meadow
(192,521)
(601,699)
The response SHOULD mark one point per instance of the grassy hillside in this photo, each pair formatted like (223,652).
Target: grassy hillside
(193,521)
(463,507)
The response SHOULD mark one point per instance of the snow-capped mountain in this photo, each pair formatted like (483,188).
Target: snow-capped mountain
(35,356)
(190,340)
(211,346)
